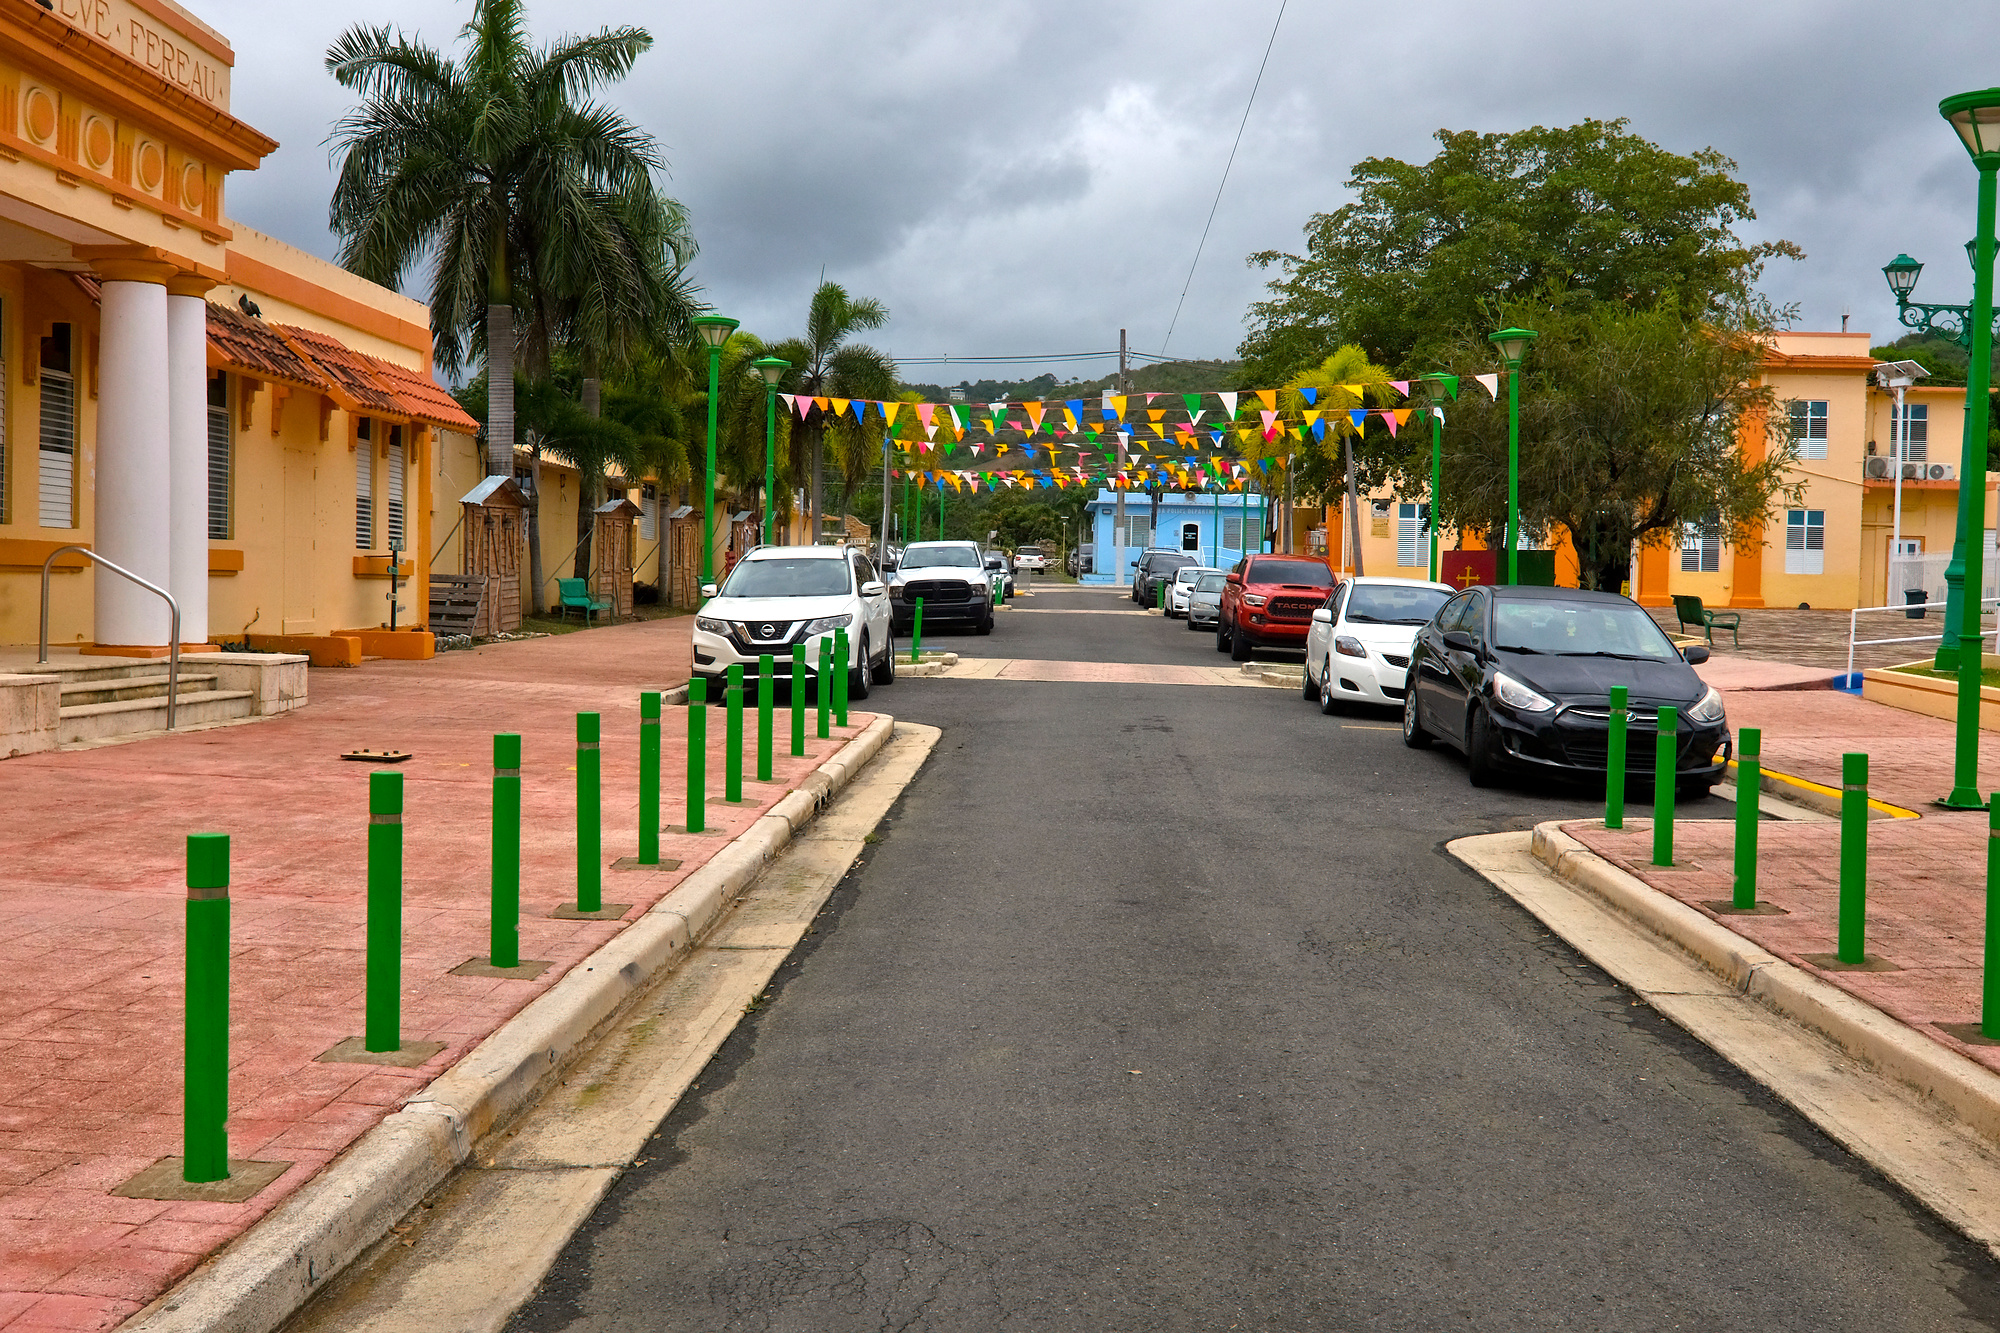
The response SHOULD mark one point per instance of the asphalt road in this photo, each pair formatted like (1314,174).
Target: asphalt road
(1161,1008)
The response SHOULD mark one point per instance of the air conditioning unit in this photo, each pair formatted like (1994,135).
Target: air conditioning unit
(1913,472)
(1942,472)
(1876,467)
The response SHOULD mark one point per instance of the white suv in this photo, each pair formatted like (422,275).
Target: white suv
(781,596)
(1358,646)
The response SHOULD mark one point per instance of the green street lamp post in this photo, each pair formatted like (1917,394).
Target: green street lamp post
(714,331)
(1976,118)
(773,369)
(1442,386)
(1954,324)
(1512,345)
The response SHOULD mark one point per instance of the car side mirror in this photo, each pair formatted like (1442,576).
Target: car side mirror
(874,588)
(1460,640)
(1694,654)
(708,590)
(1323,616)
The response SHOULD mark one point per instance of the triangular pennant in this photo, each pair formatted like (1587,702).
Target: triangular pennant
(1389,420)
(889,411)
(1490,383)
(1359,416)
(1034,411)
(1268,397)
(860,409)
(1401,386)
(1193,401)
(1311,395)
(1228,403)
(924,411)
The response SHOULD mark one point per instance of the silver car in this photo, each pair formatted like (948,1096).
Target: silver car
(1182,587)
(1204,599)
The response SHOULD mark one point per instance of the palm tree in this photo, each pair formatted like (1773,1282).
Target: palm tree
(826,365)
(500,168)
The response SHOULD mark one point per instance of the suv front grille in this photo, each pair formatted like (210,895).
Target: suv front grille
(937,590)
(1293,608)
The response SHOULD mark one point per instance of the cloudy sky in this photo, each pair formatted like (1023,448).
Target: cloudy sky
(1029,176)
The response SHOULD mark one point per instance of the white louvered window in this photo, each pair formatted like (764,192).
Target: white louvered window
(219,469)
(1915,432)
(6,506)
(1809,426)
(1136,532)
(1701,549)
(649,513)
(1232,532)
(57,489)
(1805,541)
(1413,538)
(392,485)
(364,489)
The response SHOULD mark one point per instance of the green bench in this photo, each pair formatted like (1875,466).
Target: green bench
(575,594)
(1690,612)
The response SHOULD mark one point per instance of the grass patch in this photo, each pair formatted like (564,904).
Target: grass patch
(1989,677)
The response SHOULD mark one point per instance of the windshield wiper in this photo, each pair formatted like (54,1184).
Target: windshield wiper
(1623,657)
(1516,648)
(1354,619)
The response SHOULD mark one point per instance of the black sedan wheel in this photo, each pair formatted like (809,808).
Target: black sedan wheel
(1482,765)
(1414,734)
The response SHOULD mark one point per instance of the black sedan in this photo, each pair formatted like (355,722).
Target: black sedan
(1520,679)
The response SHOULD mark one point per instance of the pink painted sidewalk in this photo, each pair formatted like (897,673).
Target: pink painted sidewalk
(91,930)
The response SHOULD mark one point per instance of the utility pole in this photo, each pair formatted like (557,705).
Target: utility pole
(1118,487)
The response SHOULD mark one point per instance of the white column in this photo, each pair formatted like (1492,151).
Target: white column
(187,432)
(133,474)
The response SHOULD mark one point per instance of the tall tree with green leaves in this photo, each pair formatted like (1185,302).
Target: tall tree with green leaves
(1635,425)
(1423,250)
(499,167)
(826,364)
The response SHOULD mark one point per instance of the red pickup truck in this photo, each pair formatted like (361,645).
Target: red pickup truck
(1268,601)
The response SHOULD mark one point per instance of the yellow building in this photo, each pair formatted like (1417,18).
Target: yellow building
(229,418)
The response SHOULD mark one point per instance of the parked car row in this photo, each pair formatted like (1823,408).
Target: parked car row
(1518,679)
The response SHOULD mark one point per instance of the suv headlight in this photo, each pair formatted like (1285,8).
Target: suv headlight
(1709,709)
(1518,696)
(1254,599)
(711,625)
(828,624)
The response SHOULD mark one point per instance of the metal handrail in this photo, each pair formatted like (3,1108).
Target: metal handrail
(173,618)
(1853,620)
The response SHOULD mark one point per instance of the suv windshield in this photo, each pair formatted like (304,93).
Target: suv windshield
(788,576)
(933,556)
(1310,573)
(1386,604)
(1580,629)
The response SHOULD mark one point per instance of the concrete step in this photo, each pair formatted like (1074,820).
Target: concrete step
(120,668)
(125,717)
(105,690)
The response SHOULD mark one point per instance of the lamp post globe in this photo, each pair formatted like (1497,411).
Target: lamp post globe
(714,331)
(1975,117)
(1512,344)
(773,369)
(1901,274)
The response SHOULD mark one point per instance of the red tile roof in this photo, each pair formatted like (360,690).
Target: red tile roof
(346,374)
(238,342)
(422,398)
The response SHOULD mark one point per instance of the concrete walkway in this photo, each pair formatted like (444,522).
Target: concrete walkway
(91,931)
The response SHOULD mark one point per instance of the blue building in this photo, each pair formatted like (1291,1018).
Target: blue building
(1188,522)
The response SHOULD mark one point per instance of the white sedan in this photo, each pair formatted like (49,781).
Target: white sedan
(1358,648)
(1182,588)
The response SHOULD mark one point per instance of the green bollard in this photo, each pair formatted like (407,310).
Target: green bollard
(504,949)
(917,633)
(1749,783)
(649,778)
(697,711)
(1989,1009)
(823,685)
(732,747)
(798,699)
(205,1075)
(1666,749)
(1614,761)
(382,1028)
(840,655)
(766,668)
(1161,598)
(589,815)
(1853,945)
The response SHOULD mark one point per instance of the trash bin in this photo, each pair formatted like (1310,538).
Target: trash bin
(1915,598)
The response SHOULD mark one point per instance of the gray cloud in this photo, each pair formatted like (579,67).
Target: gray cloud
(1031,175)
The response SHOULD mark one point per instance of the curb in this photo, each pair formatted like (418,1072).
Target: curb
(264,1276)
(1969,1090)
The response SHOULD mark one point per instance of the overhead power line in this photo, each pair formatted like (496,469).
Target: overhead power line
(1200,245)
(1019,360)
